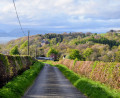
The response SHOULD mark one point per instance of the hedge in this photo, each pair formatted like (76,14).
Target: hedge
(11,66)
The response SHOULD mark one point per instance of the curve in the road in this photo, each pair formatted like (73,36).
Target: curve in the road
(51,83)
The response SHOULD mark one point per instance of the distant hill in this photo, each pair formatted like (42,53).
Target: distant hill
(19,33)
(102,47)
(4,34)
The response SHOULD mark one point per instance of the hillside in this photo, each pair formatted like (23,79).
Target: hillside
(103,47)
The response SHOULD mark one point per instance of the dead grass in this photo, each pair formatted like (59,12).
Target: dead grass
(105,72)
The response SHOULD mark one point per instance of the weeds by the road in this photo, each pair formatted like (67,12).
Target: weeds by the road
(89,87)
(17,87)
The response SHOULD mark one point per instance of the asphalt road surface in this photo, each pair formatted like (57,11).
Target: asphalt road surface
(51,83)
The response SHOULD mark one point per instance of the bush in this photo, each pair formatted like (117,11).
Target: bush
(75,54)
(52,51)
(87,52)
(14,51)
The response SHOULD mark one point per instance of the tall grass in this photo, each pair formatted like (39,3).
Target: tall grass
(87,86)
(105,72)
(17,87)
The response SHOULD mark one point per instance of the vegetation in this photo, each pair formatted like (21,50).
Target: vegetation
(24,45)
(52,51)
(87,53)
(104,72)
(101,47)
(11,66)
(87,86)
(75,54)
(14,51)
(17,87)
(94,57)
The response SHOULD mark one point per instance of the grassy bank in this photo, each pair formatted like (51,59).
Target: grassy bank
(90,88)
(17,87)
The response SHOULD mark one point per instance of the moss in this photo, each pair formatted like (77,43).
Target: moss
(4,60)
(12,66)
(18,59)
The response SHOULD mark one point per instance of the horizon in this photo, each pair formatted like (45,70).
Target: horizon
(6,39)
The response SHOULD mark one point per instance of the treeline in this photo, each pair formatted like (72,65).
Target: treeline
(104,40)
(101,40)
(60,37)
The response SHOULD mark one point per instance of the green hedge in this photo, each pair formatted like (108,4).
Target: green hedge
(90,88)
(17,87)
(11,66)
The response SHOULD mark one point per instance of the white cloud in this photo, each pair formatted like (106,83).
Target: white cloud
(61,12)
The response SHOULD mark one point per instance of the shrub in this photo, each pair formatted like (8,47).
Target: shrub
(52,51)
(87,52)
(75,54)
(14,51)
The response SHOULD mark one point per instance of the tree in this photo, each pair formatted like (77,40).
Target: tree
(14,51)
(117,58)
(75,54)
(53,41)
(53,53)
(25,44)
(87,52)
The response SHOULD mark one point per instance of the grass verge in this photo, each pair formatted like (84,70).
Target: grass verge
(90,88)
(17,87)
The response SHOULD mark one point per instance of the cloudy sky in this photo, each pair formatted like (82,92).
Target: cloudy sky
(61,15)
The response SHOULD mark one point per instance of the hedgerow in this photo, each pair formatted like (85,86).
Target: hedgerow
(17,87)
(11,66)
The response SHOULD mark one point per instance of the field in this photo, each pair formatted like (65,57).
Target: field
(104,72)
(90,88)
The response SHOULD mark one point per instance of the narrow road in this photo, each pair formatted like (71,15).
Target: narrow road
(51,83)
